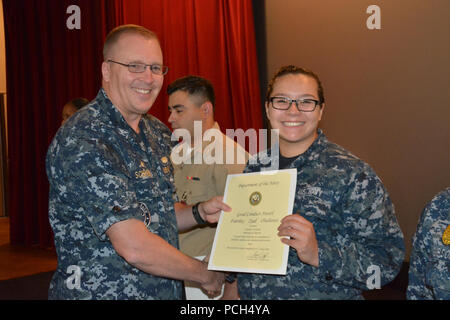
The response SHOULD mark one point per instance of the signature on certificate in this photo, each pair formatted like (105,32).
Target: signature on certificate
(258,255)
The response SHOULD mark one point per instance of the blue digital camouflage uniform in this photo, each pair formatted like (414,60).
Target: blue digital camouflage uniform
(355,226)
(102,172)
(429,268)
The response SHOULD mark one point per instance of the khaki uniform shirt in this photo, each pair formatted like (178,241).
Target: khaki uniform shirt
(200,182)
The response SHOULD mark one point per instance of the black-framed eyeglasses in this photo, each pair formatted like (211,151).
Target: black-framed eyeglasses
(284,103)
(140,67)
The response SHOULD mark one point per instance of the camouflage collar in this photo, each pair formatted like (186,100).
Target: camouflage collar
(311,154)
(113,115)
(109,110)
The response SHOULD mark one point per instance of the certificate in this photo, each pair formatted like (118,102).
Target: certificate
(246,238)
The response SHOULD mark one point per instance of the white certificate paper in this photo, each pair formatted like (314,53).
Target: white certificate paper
(246,238)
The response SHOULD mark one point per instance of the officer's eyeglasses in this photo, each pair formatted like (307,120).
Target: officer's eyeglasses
(140,67)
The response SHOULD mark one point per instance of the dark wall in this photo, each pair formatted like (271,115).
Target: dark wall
(386,90)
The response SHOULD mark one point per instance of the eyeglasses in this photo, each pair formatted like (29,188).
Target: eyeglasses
(140,67)
(284,103)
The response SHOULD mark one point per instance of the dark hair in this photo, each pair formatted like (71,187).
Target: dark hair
(114,35)
(195,86)
(290,69)
(78,103)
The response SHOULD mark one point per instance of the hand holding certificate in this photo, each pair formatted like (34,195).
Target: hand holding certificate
(246,239)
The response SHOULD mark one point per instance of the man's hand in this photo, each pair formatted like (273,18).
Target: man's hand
(214,282)
(303,238)
(230,291)
(210,210)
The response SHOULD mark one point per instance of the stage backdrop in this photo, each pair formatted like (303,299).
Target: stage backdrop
(49,64)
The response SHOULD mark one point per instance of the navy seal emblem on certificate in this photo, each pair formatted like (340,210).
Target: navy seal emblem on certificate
(255,198)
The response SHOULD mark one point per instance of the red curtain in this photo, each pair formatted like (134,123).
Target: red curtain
(48,65)
(212,39)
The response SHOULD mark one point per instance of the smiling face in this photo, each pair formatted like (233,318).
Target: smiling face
(297,129)
(133,94)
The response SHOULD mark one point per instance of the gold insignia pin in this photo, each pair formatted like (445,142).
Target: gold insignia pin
(164,160)
(446,236)
(166,170)
(144,173)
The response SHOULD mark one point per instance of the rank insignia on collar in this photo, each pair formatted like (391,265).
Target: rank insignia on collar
(446,236)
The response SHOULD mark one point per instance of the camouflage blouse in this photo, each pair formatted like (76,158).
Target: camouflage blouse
(358,235)
(102,172)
